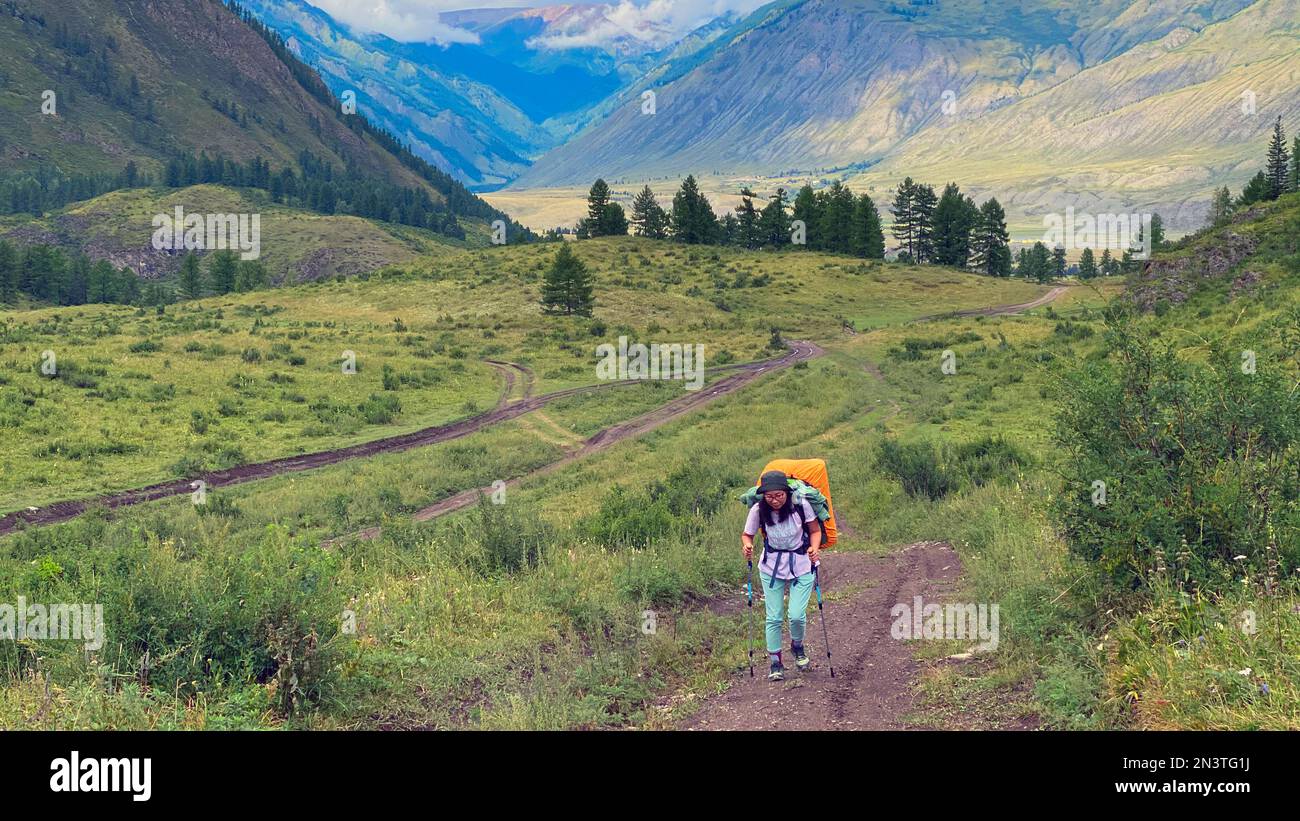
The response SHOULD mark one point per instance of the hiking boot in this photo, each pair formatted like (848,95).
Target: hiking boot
(778,672)
(800,657)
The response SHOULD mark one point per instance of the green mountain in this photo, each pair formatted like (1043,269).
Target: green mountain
(105,95)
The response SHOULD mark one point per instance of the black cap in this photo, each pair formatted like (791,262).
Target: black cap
(773,480)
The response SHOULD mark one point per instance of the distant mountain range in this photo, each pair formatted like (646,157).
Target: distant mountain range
(483,111)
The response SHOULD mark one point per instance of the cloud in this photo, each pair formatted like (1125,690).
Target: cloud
(654,22)
(407,21)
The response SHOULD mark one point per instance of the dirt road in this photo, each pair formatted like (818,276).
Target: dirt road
(739,375)
(506,409)
(872,688)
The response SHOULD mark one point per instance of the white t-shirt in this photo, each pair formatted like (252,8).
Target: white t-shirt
(787,535)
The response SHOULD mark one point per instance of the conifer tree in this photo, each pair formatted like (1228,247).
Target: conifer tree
(648,217)
(693,220)
(868,236)
(836,226)
(222,269)
(904,227)
(1295,165)
(597,203)
(747,220)
(1087,265)
(1277,170)
(990,252)
(806,209)
(190,279)
(923,205)
(1221,207)
(1109,267)
(1058,261)
(954,218)
(774,223)
(567,286)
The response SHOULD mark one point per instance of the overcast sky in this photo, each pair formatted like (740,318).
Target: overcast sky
(417,20)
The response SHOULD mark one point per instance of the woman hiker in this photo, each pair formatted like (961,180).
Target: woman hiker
(792,538)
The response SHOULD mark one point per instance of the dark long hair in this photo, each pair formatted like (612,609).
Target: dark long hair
(765,511)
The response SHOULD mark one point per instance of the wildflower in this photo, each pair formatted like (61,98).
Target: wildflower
(1245,672)
(1263,688)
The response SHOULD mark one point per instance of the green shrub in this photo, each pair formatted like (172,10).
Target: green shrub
(918,466)
(1198,461)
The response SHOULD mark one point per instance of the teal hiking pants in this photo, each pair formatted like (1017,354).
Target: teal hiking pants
(773,598)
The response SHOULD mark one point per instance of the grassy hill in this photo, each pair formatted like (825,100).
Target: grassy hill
(433,319)
(529,614)
(296,244)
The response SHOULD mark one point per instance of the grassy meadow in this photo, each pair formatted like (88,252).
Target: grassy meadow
(259,609)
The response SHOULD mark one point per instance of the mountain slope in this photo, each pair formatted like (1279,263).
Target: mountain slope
(830,84)
(144,79)
(484,110)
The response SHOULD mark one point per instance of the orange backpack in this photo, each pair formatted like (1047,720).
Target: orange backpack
(812,472)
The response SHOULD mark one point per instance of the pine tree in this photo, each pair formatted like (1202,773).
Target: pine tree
(990,252)
(648,218)
(1109,267)
(8,273)
(1295,165)
(729,230)
(836,226)
(773,223)
(614,221)
(252,276)
(1087,265)
(1255,191)
(190,279)
(1058,261)
(868,236)
(954,218)
(1157,233)
(747,220)
(567,285)
(1036,263)
(806,209)
(1221,207)
(222,270)
(923,205)
(693,220)
(597,203)
(1277,171)
(904,227)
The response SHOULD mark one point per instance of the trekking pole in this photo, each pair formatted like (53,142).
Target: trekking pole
(749,591)
(825,638)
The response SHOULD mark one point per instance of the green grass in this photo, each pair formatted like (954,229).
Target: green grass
(521,616)
(249,377)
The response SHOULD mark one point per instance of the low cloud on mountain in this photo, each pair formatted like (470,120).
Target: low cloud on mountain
(656,22)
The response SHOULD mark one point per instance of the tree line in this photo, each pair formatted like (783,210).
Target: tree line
(947,230)
(49,274)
